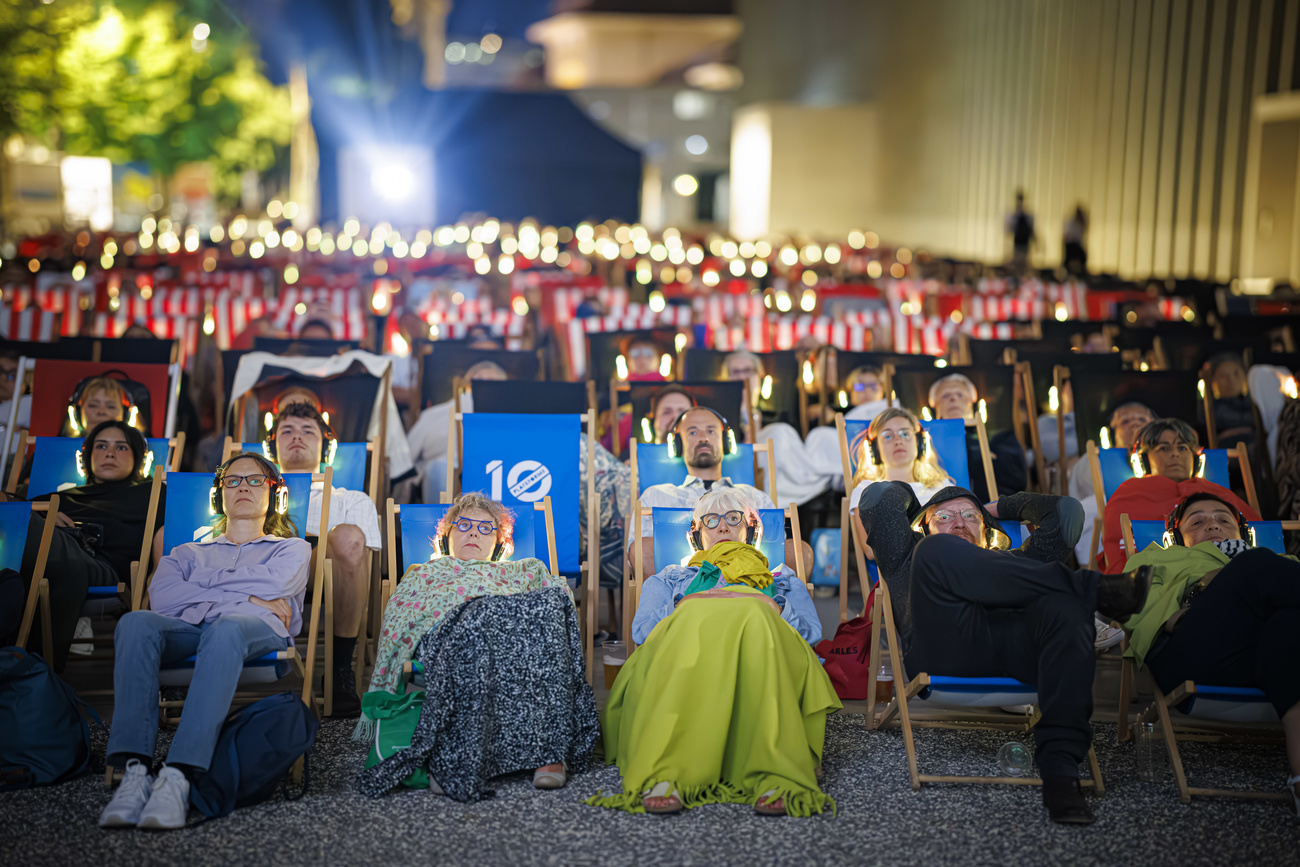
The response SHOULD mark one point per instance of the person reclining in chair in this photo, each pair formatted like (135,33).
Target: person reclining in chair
(1166,451)
(725,700)
(300,441)
(965,606)
(100,532)
(500,645)
(231,598)
(1222,613)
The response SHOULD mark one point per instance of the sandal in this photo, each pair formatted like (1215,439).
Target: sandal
(551,779)
(765,807)
(669,793)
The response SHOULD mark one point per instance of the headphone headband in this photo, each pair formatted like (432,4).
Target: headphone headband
(279,490)
(1174,536)
(676,448)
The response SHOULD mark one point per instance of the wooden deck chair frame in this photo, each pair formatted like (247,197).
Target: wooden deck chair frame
(1187,728)
(175,451)
(395,571)
(1025,369)
(954,718)
(589,580)
(632,586)
(322,603)
(38,593)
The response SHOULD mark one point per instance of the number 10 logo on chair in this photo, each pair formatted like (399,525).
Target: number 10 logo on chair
(528,481)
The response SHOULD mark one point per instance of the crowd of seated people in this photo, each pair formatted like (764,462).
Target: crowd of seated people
(745,723)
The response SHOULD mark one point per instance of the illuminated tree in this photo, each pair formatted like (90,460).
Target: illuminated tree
(130,81)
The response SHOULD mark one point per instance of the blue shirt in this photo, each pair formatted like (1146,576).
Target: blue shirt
(201,581)
(664,590)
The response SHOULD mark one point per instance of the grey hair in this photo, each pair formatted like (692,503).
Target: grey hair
(953,377)
(483,367)
(719,501)
(742,353)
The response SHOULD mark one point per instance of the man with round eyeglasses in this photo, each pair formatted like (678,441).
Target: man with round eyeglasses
(966,605)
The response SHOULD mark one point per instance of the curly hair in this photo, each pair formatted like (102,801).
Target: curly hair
(275,523)
(926,469)
(504,518)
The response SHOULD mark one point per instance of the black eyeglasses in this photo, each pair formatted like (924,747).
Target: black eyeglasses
(254,481)
(485,528)
(734,518)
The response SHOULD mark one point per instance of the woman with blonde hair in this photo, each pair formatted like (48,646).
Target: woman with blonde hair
(505,685)
(895,448)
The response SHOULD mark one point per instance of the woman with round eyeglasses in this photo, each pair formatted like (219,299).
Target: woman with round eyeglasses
(499,644)
(724,701)
(890,450)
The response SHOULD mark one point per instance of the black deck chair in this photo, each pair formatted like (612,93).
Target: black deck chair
(531,397)
(440,362)
(310,348)
(782,404)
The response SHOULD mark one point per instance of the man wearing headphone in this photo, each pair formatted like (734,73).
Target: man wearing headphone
(1166,461)
(955,396)
(966,606)
(1222,612)
(300,441)
(702,437)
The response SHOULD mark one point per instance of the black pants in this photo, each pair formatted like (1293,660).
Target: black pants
(979,613)
(1242,630)
(70,571)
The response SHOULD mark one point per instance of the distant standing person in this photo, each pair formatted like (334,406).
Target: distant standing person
(1020,226)
(1076,256)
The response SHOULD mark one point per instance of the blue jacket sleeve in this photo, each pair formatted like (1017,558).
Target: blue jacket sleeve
(797,608)
(657,602)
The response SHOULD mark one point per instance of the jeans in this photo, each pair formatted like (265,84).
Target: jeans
(145,641)
(980,613)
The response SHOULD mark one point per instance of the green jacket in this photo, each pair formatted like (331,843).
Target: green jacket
(1177,568)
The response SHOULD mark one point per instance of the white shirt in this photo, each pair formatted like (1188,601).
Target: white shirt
(687,494)
(427,438)
(923,494)
(24,413)
(346,507)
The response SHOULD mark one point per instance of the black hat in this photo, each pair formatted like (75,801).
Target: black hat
(997,537)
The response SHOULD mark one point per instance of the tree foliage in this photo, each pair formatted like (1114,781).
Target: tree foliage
(127,81)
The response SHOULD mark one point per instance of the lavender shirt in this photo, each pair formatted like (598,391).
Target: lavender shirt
(201,581)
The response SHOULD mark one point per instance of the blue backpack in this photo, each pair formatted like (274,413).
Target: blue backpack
(46,738)
(257,746)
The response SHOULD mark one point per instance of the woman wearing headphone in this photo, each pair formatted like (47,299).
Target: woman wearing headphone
(101,527)
(102,398)
(725,700)
(229,599)
(894,448)
(500,647)
(1221,612)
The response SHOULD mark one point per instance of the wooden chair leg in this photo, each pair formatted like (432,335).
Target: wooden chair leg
(47,634)
(329,638)
(1171,745)
(1098,785)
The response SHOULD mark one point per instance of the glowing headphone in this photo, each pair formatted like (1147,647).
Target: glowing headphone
(279,490)
(753,535)
(502,551)
(1141,464)
(676,449)
(130,412)
(1173,536)
(140,470)
(873,447)
(331,439)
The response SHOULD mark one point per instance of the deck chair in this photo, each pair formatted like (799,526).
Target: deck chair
(516,470)
(1111,468)
(947,438)
(728,398)
(671,546)
(15,519)
(652,465)
(410,530)
(55,462)
(1201,712)
(189,518)
(963,702)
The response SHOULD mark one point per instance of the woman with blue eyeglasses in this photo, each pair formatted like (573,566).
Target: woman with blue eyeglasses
(504,672)
(724,701)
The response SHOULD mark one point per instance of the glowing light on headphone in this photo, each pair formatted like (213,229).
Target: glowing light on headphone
(148,462)
(646,433)
(1053,399)
(72,420)
(807,373)
(1200,466)
(766,390)
(925,413)
(334,447)
(81,467)
(1144,367)
(326,416)
(133,416)
(665,364)
(1135,461)
(680,342)
(1104,436)
(1200,388)
(212,495)
(844,398)
(984,411)
(1289,388)
(620,367)
(268,420)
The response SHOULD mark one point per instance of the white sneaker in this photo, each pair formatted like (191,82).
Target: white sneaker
(129,799)
(1107,635)
(169,804)
(84,630)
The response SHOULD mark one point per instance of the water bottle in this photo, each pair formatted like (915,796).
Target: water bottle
(1153,761)
(1015,759)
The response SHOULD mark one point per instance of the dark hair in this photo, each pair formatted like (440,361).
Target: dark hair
(274,524)
(299,409)
(1181,509)
(1221,358)
(667,390)
(1132,404)
(318,323)
(134,439)
(1150,434)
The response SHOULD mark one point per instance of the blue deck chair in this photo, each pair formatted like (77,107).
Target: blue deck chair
(1191,710)
(189,519)
(947,438)
(55,467)
(15,519)
(671,547)
(416,525)
(960,702)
